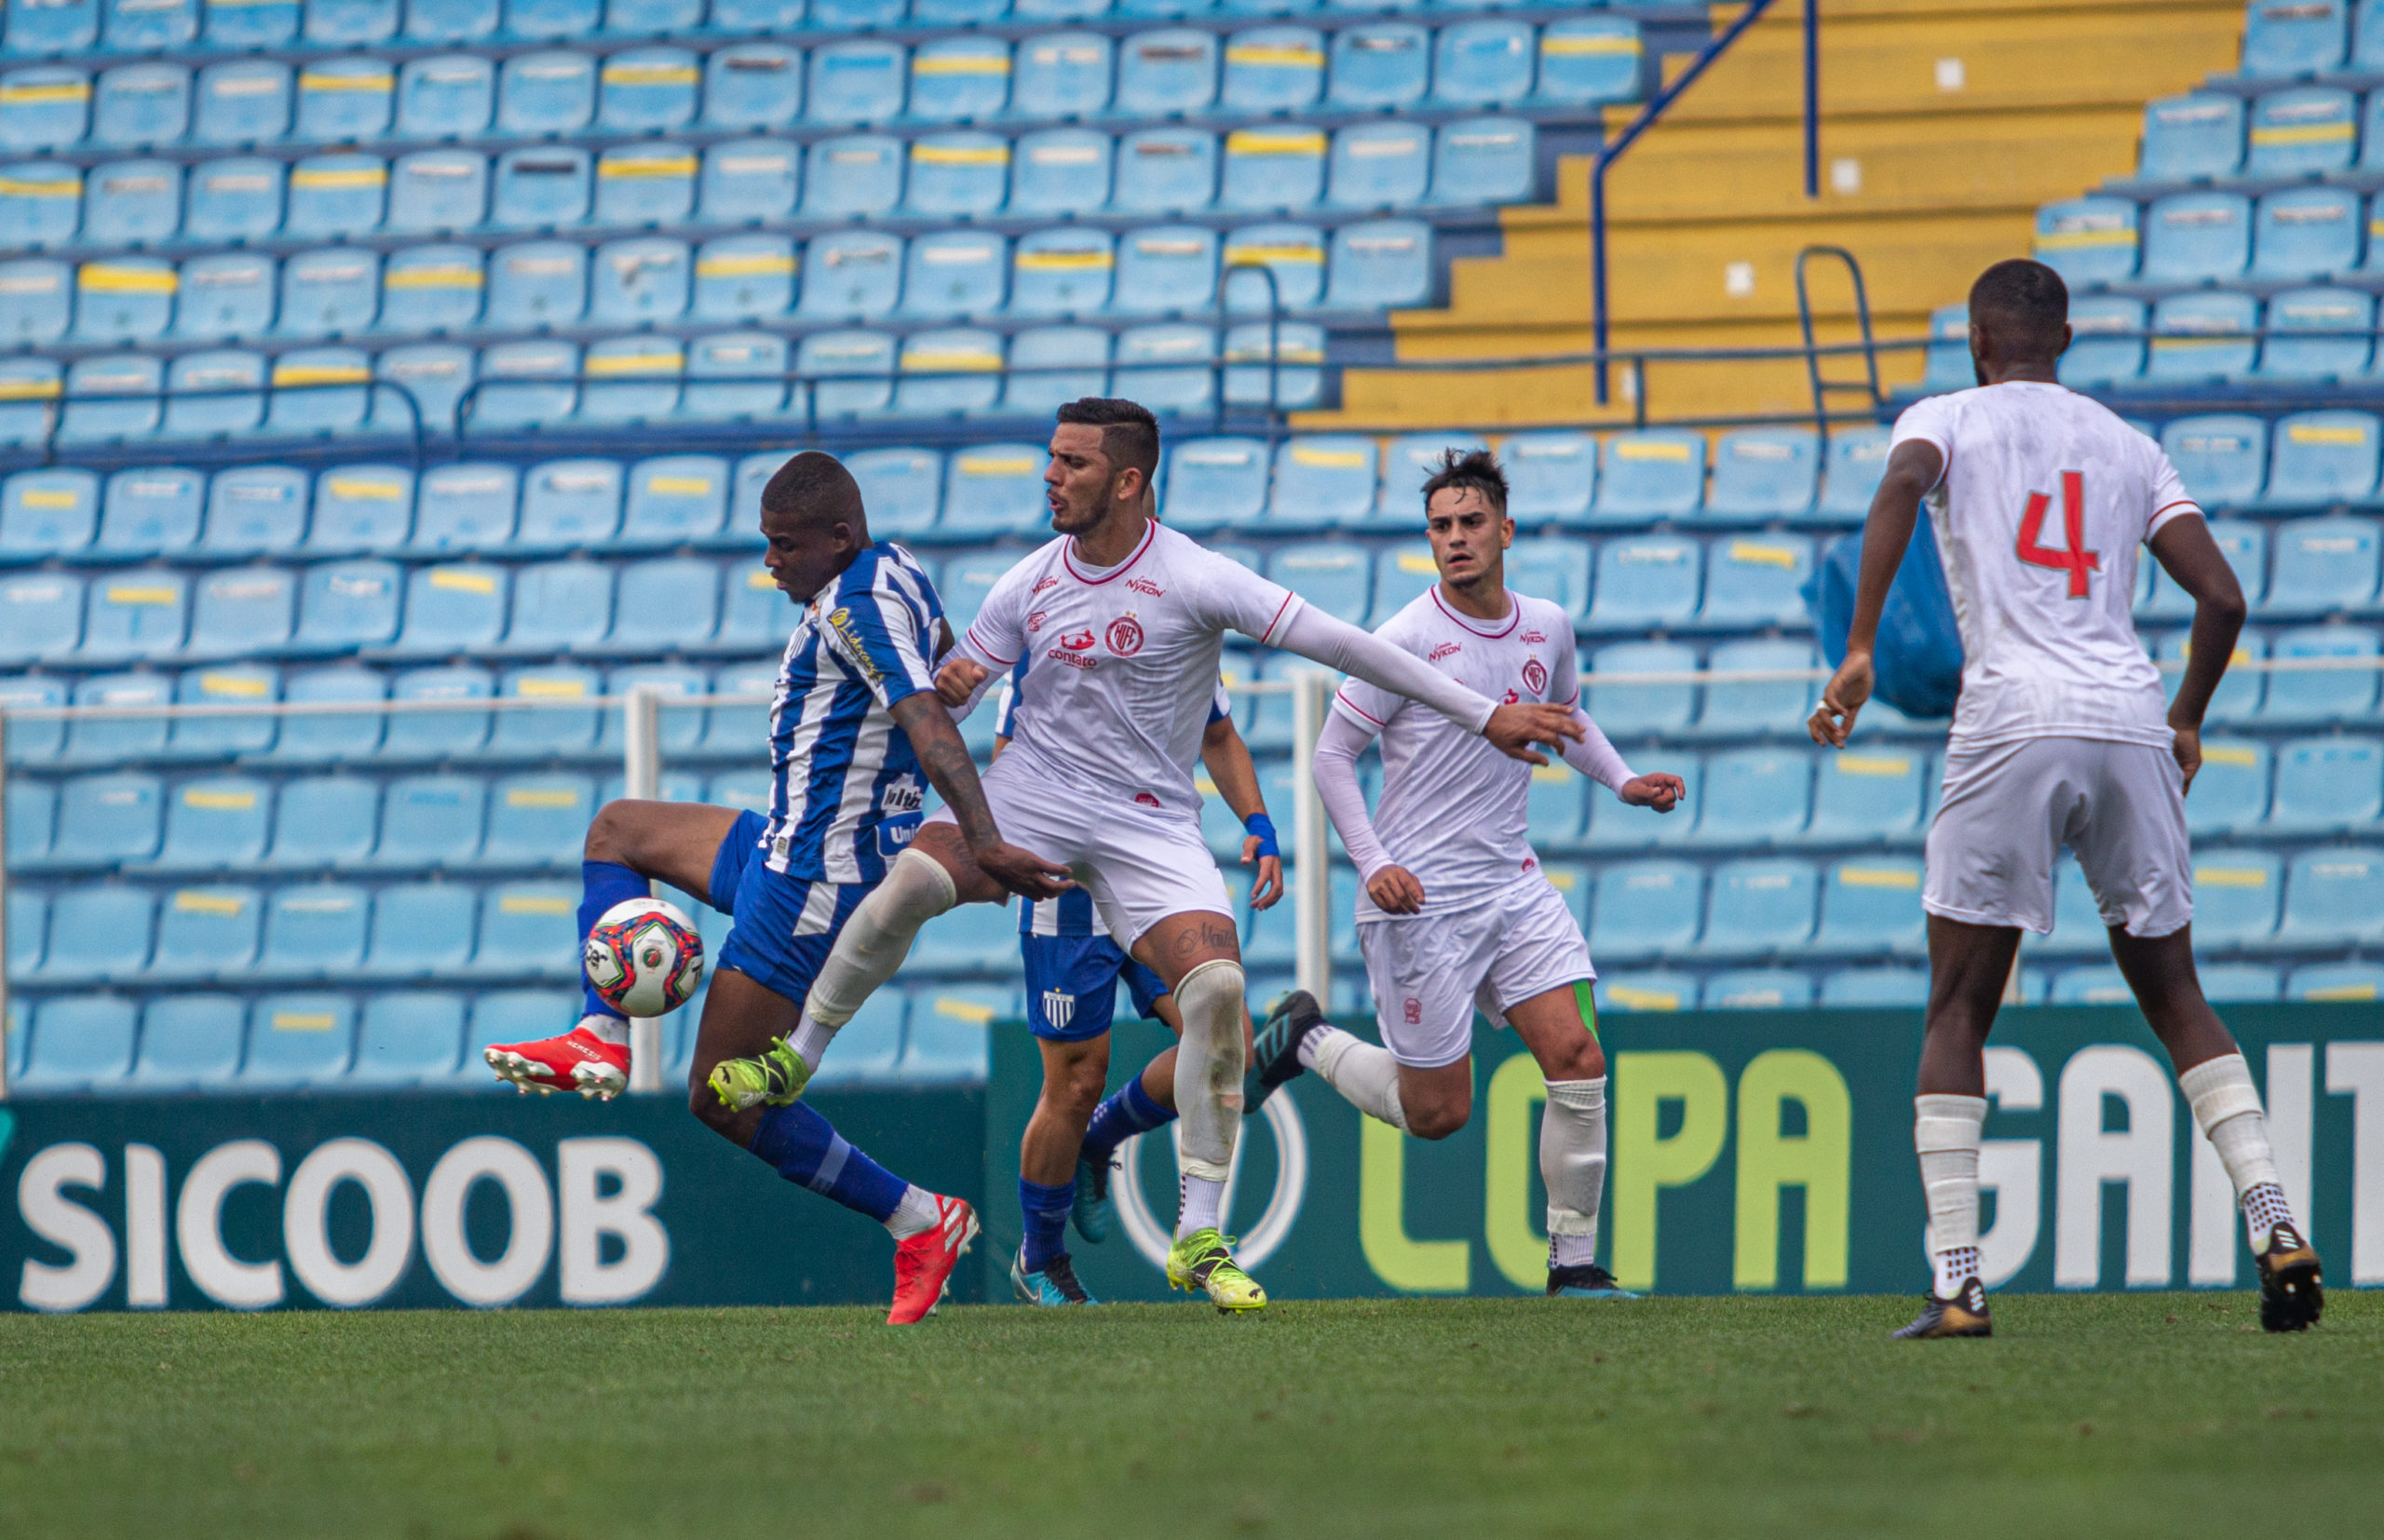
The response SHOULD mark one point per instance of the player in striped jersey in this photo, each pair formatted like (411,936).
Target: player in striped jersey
(847,794)
(1073,969)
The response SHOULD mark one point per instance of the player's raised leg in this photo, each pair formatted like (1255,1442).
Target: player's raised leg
(628,845)
(2217,1083)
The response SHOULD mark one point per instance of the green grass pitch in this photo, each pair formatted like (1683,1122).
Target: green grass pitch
(2147,1414)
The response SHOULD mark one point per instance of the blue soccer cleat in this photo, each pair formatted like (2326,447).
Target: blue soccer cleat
(1587,1281)
(1092,1211)
(1054,1286)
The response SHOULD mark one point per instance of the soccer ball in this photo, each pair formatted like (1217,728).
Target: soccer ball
(644,957)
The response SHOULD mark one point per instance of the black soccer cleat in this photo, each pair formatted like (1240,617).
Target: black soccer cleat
(1963,1316)
(1586,1281)
(1275,1053)
(2291,1290)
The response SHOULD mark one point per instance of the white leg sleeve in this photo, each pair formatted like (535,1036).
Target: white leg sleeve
(2228,1111)
(1572,1155)
(1366,1076)
(875,942)
(1208,1068)
(1945,1131)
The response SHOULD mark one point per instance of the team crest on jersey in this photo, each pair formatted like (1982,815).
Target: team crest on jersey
(1059,1009)
(1125,636)
(1535,675)
(1034,621)
(1412,1010)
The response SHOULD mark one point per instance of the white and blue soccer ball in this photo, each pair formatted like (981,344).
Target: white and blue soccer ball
(644,957)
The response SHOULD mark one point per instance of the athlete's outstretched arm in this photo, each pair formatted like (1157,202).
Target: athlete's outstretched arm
(1913,471)
(952,773)
(1226,758)
(2192,559)
(1393,889)
(1512,729)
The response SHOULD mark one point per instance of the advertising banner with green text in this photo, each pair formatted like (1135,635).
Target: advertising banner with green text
(1765,1152)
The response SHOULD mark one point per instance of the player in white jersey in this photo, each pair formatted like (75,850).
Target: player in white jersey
(1456,913)
(2039,499)
(1126,619)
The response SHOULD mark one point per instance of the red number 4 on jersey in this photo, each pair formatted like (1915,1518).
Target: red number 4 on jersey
(2072,557)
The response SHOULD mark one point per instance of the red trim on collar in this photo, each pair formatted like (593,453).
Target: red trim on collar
(1514,614)
(1150,533)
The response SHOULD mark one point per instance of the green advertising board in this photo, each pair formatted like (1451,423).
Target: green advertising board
(1763,1152)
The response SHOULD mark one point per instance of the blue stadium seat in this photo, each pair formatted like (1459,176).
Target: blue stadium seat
(946,1040)
(1322,478)
(2319,566)
(422,930)
(531,385)
(1166,268)
(260,510)
(1646,582)
(319,740)
(453,608)
(1549,476)
(1053,365)
(1381,265)
(347,604)
(235,199)
(531,189)
(2231,791)
(673,499)
(1171,368)
(2088,240)
(2367,38)
(45,614)
(2301,132)
(744,277)
(853,372)
(538,734)
(856,82)
(2287,37)
(1630,710)
(445,96)
(994,489)
(2246,983)
(123,299)
(306,1039)
(1165,170)
(536,284)
(1750,707)
(135,614)
(1062,74)
(559,606)
(963,583)
(552,92)
(260,26)
(1875,988)
(1292,254)
(1585,61)
(1331,574)
(344,99)
(431,821)
(2235,897)
(220,738)
(645,183)
(1647,989)
(2203,336)
(747,179)
(213,394)
(2306,233)
(98,934)
(2333,981)
(1380,64)
(1272,69)
(1757,989)
(1063,272)
(2237,696)
(438,735)
(189,1042)
(1273,364)
(1279,167)
(44,108)
(636,282)
(948,371)
(1379,166)
(130,202)
(968,939)
(1646,908)
(2317,695)
(2192,236)
(1655,474)
(854,175)
(141,105)
(1402,574)
(336,196)
(528,929)
(2289,356)
(538,820)
(639,90)
(56,29)
(736,374)
(313,930)
(466,506)
(32,741)
(2222,459)
(569,505)
(1215,483)
(2246,546)
(1162,73)
(2327,785)
(1948,366)
(2332,895)
(2100,985)
(43,204)
(409,1038)
(80,1043)
(113,741)
(671,604)
(851,276)
(214,822)
(133,27)
(2192,137)
(432,289)
(1756,580)
(953,273)
(149,511)
(350,21)
(2107,342)
(1871,904)
(206,933)
(1061,172)
(1615,826)
(902,487)
(957,78)
(752,617)
(1753,796)
(1761,473)
(2321,458)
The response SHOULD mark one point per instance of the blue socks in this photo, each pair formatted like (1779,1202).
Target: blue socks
(603,885)
(802,1146)
(1047,1220)
(1128,1112)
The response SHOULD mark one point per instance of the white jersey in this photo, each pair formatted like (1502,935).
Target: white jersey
(1453,807)
(1125,662)
(2045,499)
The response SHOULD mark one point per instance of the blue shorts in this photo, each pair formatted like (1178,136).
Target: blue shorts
(784,925)
(1072,985)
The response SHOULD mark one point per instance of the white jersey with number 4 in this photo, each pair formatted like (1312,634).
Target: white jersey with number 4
(2045,501)
(1453,810)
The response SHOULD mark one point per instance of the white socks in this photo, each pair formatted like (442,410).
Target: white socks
(1366,1076)
(1946,1132)
(2228,1111)
(1572,1164)
(1208,1086)
(606,1028)
(914,1215)
(1199,1205)
(873,943)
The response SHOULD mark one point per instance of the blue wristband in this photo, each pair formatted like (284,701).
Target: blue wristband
(1264,826)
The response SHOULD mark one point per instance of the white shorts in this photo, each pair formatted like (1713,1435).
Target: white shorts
(1429,974)
(2007,808)
(1140,864)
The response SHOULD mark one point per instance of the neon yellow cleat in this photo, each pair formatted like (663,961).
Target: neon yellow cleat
(773,1078)
(1201,1262)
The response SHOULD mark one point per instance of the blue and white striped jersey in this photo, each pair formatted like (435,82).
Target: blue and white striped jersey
(846,793)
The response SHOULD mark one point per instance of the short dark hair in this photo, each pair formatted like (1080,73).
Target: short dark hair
(2023,301)
(815,487)
(1477,469)
(1129,432)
